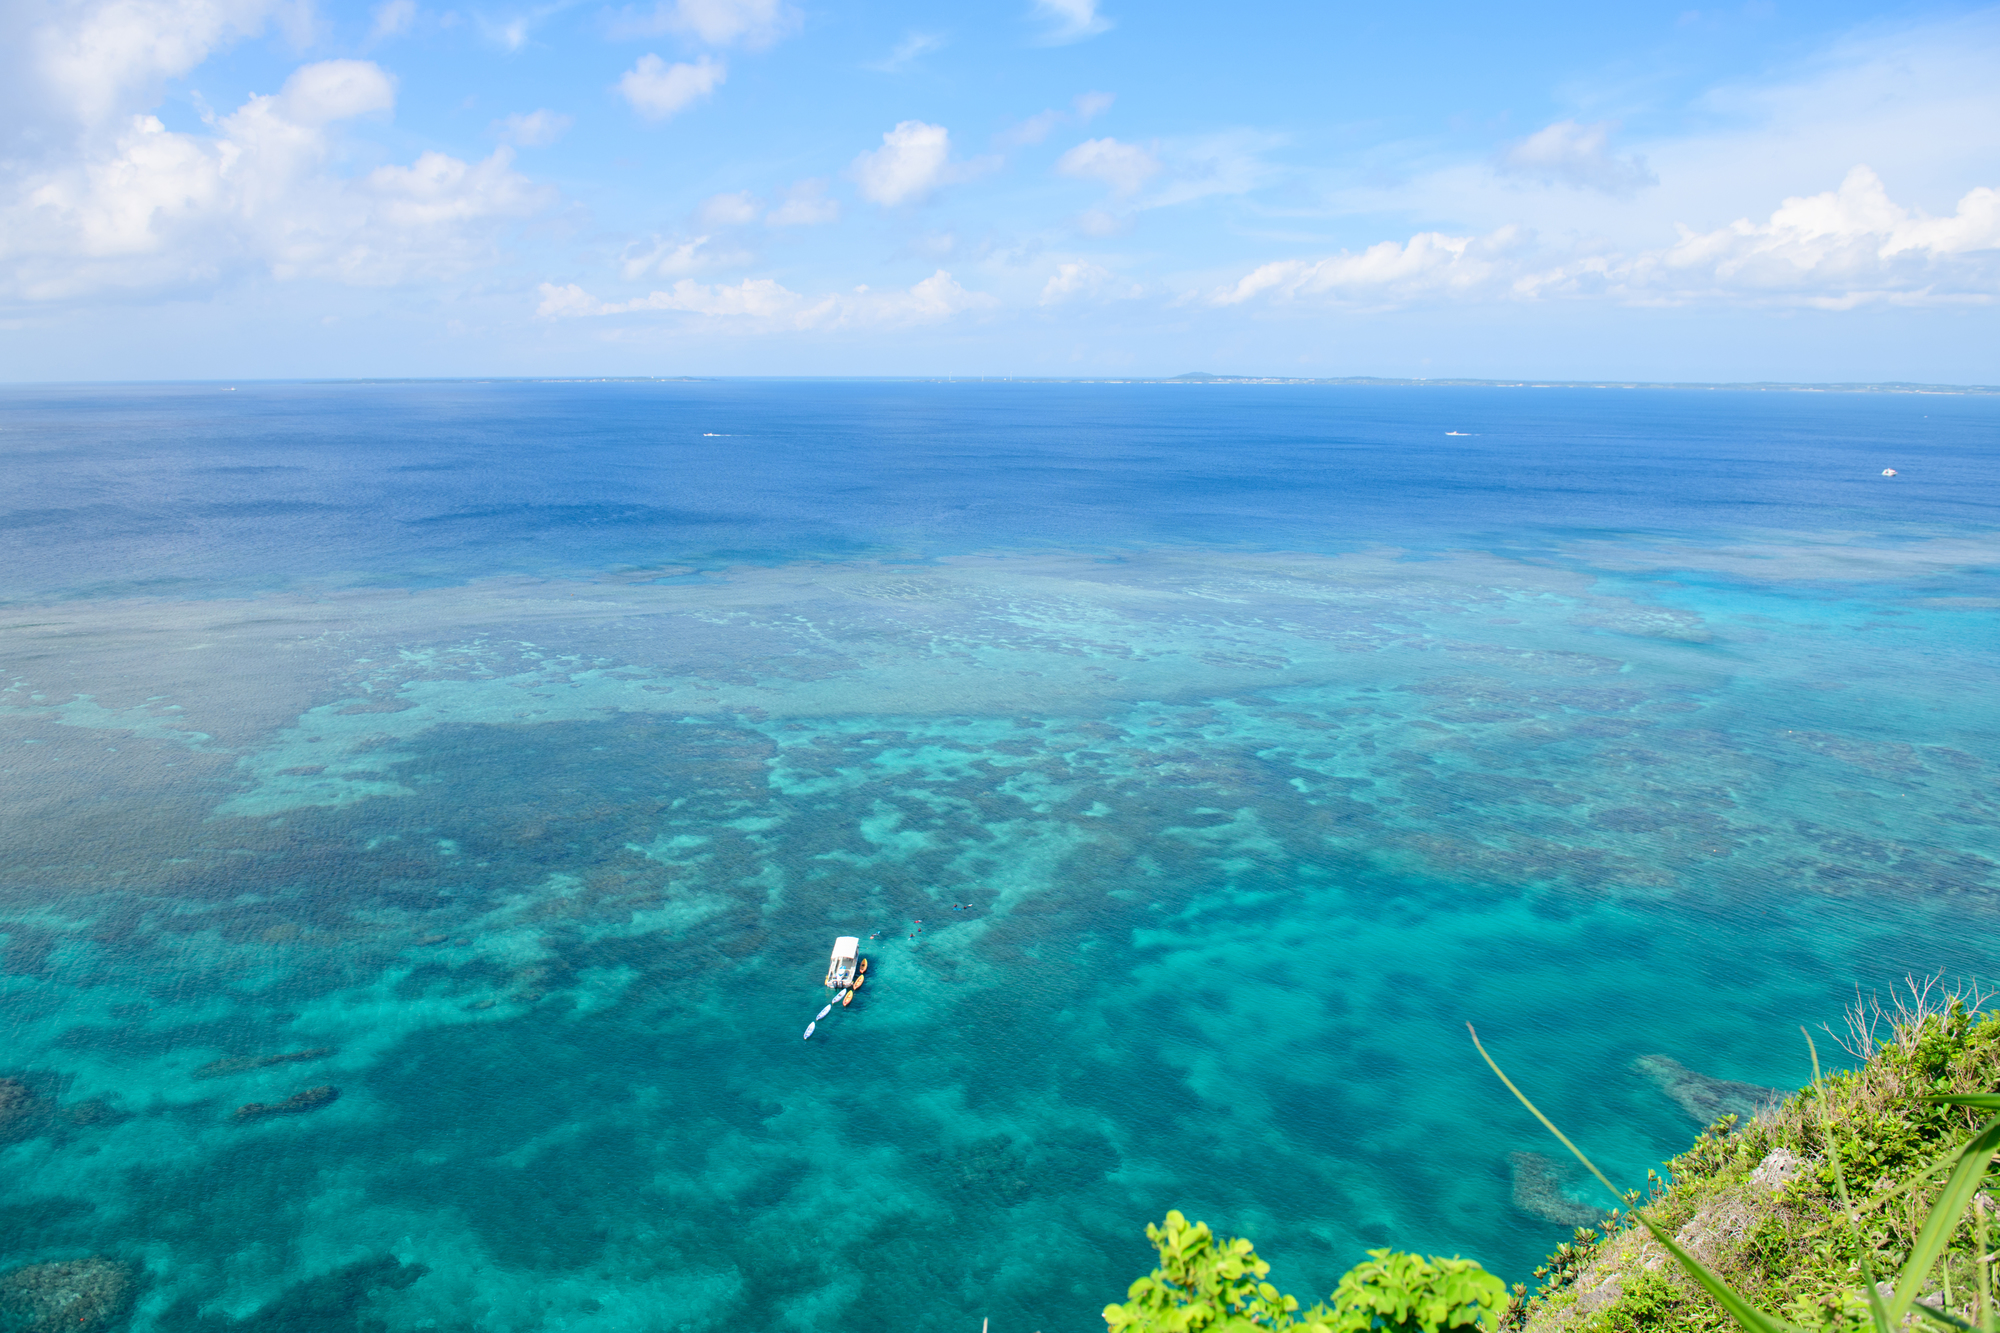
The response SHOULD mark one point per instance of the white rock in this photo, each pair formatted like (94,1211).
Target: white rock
(1777,1169)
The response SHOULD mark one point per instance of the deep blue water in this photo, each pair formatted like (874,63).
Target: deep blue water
(118,488)
(517,750)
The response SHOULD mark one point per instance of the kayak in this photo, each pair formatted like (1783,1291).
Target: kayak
(864,966)
(857,984)
(822,1013)
(809,1030)
(846,998)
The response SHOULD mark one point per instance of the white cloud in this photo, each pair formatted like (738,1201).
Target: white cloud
(1100,222)
(911,163)
(1428,264)
(729,210)
(567,301)
(1201,167)
(393,18)
(1037,127)
(1070,20)
(806,205)
(913,47)
(319,94)
(669,258)
(657,90)
(765,305)
(1567,153)
(532,129)
(153,210)
(1122,166)
(753,23)
(91,62)
(1032,130)
(1077,279)
(1840,249)
(1918,104)
(1843,248)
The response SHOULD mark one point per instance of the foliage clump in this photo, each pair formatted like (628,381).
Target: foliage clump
(1214,1283)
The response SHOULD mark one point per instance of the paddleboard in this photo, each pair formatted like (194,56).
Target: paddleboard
(809,1029)
(822,1013)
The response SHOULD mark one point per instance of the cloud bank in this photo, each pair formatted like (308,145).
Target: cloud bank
(1840,249)
(763,304)
(142,209)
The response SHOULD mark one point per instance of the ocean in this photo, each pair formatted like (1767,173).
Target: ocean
(1194,761)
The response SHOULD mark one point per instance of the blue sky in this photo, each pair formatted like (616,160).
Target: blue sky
(241,188)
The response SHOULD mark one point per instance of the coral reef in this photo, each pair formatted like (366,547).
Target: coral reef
(1538,1189)
(24,1113)
(76,1295)
(243,1063)
(1704,1096)
(338,1300)
(309,1100)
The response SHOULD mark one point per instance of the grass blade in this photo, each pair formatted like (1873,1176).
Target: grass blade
(1948,1320)
(1547,1123)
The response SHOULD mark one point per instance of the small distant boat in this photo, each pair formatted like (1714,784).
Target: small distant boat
(1458,432)
(822,1013)
(809,1030)
(846,998)
(1888,472)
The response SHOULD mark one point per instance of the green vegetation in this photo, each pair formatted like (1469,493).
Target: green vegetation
(1783,1225)
(1206,1282)
(1787,1222)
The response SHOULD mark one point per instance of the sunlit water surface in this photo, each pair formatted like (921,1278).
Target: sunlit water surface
(515,752)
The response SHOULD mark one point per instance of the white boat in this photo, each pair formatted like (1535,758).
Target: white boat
(840,973)
(809,1030)
(822,1013)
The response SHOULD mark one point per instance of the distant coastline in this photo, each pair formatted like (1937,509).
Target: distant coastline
(1200,378)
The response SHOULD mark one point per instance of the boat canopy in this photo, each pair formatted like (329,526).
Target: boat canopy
(847,946)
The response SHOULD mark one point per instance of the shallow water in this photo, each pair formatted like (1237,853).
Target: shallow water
(525,746)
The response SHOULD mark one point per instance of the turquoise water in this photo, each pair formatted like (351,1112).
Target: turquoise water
(523,748)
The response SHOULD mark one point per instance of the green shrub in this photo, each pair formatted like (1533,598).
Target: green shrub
(1207,1282)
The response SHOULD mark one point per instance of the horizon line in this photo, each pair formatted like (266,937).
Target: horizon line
(1191,378)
